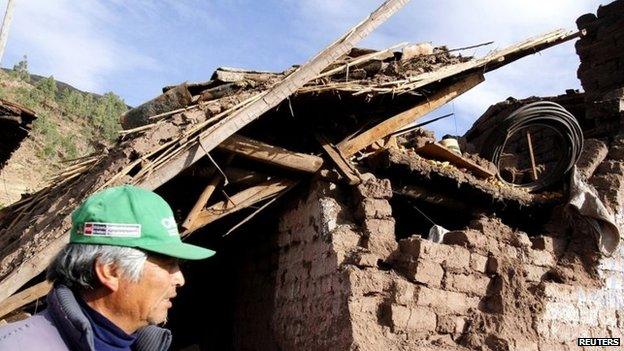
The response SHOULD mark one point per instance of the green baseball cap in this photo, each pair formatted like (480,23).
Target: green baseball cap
(133,217)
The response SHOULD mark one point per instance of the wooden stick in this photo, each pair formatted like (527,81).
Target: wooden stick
(239,201)
(25,297)
(404,118)
(202,200)
(272,155)
(533,168)
(275,95)
(344,168)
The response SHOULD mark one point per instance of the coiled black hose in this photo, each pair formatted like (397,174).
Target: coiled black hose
(548,115)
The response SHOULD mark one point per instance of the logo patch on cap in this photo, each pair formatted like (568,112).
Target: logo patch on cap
(170,225)
(117,230)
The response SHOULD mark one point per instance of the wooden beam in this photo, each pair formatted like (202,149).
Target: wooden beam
(271,98)
(23,298)
(239,201)
(244,176)
(342,165)
(202,200)
(439,152)
(404,118)
(272,155)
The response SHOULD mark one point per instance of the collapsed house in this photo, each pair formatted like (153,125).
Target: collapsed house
(319,198)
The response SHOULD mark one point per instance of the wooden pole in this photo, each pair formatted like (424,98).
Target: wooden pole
(530,143)
(6,23)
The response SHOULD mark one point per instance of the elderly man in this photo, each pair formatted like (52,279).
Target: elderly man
(114,281)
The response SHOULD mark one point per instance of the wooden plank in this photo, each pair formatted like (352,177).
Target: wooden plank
(404,118)
(202,200)
(239,201)
(272,155)
(439,152)
(231,124)
(344,168)
(23,298)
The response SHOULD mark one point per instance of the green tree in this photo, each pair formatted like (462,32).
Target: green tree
(20,70)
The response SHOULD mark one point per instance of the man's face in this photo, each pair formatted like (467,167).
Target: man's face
(149,299)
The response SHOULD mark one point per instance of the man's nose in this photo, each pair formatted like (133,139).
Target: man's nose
(178,278)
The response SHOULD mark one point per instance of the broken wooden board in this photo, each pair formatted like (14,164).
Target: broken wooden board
(399,121)
(438,152)
(239,201)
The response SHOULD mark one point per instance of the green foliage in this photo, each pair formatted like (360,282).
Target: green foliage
(20,70)
(99,114)
(44,126)
(47,88)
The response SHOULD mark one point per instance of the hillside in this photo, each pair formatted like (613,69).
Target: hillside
(70,124)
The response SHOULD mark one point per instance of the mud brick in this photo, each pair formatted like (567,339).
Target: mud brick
(588,316)
(559,292)
(561,311)
(445,301)
(427,272)
(535,273)
(424,249)
(374,188)
(364,259)
(469,284)
(468,238)
(458,259)
(478,262)
(403,292)
(607,317)
(382,245)
(450,324)
(541,258)
(374,208)
(525,345)
(548,243)
(284,239)
(414,319)
(374,227)
(521,240)
(345,238)
(563,332)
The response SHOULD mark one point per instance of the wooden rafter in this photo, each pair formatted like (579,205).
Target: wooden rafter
(404,118)
(272,155)
(202,200)
(239,201)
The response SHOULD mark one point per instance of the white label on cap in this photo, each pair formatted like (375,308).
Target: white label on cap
(170,225)
(112,229)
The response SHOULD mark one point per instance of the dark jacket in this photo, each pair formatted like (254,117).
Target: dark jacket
(63,326)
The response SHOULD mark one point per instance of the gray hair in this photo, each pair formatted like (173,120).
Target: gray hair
(74,266)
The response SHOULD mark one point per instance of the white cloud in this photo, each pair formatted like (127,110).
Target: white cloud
(72,40)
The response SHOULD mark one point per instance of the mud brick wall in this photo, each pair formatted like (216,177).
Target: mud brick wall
(601,71)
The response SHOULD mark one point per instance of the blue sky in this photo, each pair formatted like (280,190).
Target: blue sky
(135,47)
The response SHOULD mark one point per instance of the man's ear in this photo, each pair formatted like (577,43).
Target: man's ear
(108,274)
